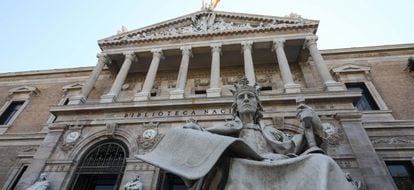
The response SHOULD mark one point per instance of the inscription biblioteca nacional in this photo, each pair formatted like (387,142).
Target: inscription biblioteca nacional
(160,113)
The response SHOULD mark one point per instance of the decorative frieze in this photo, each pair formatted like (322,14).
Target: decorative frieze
(392,140)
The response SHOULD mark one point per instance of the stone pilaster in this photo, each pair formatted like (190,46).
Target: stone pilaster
(289,85)
(90,83)
(120,79)
(248,62)
(373,169)
(43,153)
(178,93)
(151,74)
(215,90)
(329,83)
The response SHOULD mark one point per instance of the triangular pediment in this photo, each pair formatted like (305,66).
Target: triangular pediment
(351,68)
(75,85)
(24,89)
(210,23)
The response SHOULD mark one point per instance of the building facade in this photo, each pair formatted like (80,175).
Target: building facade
(83,126)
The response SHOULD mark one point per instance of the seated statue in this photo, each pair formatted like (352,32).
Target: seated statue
(135,184)
(41,184)
(244,153)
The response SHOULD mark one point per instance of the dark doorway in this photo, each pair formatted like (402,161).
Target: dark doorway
(102,168)
(169,181)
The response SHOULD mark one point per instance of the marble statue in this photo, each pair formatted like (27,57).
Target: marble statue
(135,184)
(245,153)
(41,184)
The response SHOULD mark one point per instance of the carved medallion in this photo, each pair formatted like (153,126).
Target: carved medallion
(72,137)
(150,137)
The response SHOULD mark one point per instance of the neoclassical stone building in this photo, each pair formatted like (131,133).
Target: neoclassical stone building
(83,126)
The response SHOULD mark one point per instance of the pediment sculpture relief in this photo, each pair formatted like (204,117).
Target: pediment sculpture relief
(206,23)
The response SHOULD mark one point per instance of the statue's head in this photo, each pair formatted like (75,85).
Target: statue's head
(246,100)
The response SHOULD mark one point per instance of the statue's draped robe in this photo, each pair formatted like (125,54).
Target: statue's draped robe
(191,154)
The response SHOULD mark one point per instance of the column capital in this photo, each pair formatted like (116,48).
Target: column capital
(157,53)
(103,57)
(186,50)
(216,47)
(130,56)
(247,45)
(279,43)
(310,40)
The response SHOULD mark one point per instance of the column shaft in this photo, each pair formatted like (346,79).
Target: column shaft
(283,62)
(326,77)
(318,60)
(289,84)
(215,90)
(150,78)
(182,74)
(248,62)
(120,78)
(90,83)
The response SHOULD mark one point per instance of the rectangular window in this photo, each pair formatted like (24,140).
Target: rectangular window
(200,92)
(10,112)
(403,174)
(366,102)
(18,176)
(170,181)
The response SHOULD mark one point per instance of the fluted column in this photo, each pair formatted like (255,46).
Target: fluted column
(120,78)
(215,90)
(326,77)
(248,62)
(182,74)
(90,83)
(157,55)
(289,85)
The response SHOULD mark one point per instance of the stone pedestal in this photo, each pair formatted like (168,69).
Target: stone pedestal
(292,88)
(142,96)
(108,98)
(78,99)
(177,94)
(333,86)
(213,92)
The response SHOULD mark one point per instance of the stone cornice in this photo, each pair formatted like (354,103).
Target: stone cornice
(367,49)
(326,96)
(278,23)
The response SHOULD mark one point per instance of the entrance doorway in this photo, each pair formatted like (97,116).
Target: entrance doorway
(101,168)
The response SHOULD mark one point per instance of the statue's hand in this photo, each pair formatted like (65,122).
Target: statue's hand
(235,124)
(193,126)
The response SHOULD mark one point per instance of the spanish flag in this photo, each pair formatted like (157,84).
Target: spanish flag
(214,3)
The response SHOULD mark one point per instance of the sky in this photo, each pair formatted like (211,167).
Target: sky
(53,34)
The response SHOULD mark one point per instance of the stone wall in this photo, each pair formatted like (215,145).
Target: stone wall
(9,160)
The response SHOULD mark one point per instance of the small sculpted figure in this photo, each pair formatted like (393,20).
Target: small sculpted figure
(135,184)
(41,184)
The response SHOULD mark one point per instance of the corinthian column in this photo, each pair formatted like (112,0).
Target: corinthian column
(289,85)
(248,62)
(157,55)
(323,71)
(215,90)
(90,83)
(120,79)
(182,74)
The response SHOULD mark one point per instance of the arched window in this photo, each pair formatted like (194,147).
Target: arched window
(101,168)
